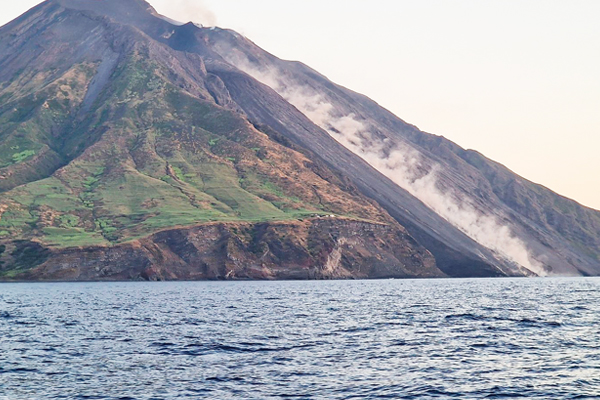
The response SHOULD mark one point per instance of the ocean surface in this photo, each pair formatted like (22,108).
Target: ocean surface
(392,339)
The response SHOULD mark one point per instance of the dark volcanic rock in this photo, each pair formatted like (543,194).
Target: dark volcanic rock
(324,248)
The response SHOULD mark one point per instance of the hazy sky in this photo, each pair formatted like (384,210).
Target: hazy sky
(518,80)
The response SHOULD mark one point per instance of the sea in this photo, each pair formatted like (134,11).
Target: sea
(381,339)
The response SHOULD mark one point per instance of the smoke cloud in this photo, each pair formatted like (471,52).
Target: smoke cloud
(402,164)
(187,10)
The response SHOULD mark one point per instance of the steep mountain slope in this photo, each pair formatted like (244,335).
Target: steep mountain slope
(110,140)
(522,223)
(126,139)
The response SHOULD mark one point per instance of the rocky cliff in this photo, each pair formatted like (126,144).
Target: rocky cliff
(322,248)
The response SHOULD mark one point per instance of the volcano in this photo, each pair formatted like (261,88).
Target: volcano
(133,147)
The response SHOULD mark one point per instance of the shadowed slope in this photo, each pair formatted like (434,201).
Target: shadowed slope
(462,187)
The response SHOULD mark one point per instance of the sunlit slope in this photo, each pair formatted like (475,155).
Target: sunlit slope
(162,158)
(109,137)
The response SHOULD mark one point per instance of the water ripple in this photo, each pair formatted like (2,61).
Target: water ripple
(440,339)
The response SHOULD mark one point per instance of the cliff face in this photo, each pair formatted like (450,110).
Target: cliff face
(131,148)
(321,248)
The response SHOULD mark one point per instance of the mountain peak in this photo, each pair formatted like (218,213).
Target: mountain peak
(129,11)
(108,5)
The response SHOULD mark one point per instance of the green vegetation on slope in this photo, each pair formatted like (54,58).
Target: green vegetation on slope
(150,156)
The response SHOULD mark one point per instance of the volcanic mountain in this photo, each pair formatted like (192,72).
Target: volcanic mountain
(135,147)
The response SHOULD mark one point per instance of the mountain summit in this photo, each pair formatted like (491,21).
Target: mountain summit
(136,148)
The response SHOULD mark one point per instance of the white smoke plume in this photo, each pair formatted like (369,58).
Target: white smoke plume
(187,10)
(403,165)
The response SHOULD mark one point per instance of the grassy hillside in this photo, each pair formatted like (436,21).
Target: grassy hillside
(148,156)
(124,158)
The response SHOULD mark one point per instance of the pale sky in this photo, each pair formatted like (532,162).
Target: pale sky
(517,80)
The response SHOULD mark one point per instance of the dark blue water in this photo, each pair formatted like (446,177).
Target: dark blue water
(465,339)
